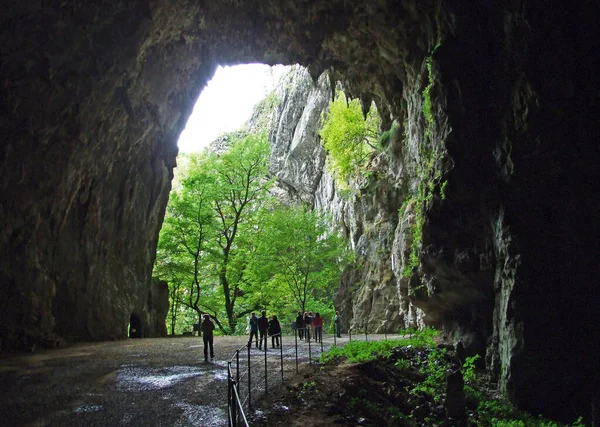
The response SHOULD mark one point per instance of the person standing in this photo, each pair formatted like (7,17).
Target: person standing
(317,324)
(300,325)
(253,330)
(263,326)
(275,332)
(207,329)
(307,323)
(338,325)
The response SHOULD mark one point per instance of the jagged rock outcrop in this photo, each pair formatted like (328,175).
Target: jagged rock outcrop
(95,95)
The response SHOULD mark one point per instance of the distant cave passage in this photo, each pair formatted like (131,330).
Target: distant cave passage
(135,326)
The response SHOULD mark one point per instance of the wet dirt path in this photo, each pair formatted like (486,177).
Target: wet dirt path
(136,382)
(147,382)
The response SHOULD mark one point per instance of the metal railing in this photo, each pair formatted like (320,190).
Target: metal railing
(242,384)
(250,372)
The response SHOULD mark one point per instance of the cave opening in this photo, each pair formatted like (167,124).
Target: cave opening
(135,326)
(91,143)
(226,102)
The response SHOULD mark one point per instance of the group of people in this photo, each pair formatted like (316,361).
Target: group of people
(307,322)
(310,326)
(260,327)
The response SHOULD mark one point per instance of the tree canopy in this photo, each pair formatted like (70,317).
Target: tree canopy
(348,137)
(227,248)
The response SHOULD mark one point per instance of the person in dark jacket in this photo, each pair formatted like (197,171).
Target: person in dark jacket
(300,325)
(253,330)
(275,331)
(207,329)
(307,325)
(338,325)
(263,326)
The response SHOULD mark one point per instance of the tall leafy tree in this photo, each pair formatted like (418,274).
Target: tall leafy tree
(184,246)
(297,249)
(242,189)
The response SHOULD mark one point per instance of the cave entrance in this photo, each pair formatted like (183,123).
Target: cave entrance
(135,326)
(227,102)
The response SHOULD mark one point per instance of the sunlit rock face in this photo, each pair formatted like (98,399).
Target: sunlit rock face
(94,97)
(297,157)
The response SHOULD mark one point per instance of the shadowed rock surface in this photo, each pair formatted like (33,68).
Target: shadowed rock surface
(95,95)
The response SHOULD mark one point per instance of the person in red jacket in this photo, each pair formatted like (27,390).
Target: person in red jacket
(317,324)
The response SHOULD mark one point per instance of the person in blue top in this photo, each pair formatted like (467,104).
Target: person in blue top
(253,330)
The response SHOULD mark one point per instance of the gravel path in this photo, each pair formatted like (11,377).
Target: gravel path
(138,382)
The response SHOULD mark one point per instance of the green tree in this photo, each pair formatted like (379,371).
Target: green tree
(207,236)
(297,249)
(348,137)
(242,189)
(185,241)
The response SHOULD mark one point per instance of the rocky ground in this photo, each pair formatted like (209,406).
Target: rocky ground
(141,382)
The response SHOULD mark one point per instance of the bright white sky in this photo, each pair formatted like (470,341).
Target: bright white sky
(227,102)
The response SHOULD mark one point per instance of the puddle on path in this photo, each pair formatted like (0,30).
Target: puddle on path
(205,416)
(88,408)
(132,378)
(220,375)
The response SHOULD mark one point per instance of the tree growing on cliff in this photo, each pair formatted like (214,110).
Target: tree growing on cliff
(349,137)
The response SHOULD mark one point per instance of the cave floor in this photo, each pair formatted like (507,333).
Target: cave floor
(141,382)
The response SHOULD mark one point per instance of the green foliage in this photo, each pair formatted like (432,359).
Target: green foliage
(349,138)
(469,373)
(429,173)
(297,250)
(434,370)
(209,226)
(363,351)
(427,106)
(227,249)
(386,137)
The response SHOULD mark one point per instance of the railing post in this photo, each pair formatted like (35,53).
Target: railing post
(296,345)
(366,328)
(249,380)
(229,393)
(321,340)
(309,355)
(281,353)
(237,363)
(350,333)
(237,383)
(266,374)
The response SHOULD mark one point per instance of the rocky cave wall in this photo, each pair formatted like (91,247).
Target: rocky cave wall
(94,97)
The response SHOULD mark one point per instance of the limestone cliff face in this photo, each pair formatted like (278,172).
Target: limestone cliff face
(297,157)
(94,97)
